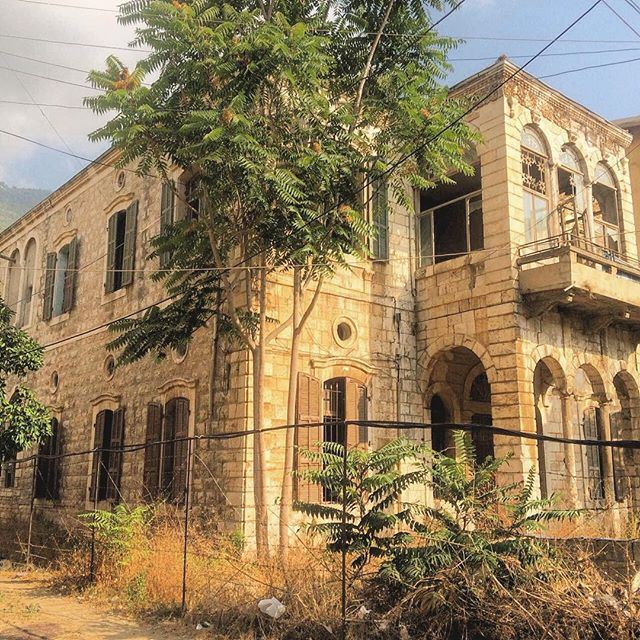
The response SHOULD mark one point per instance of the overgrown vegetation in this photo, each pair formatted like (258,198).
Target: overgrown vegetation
(473,568)
(24,419)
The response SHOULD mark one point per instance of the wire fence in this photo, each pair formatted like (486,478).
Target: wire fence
(183,473)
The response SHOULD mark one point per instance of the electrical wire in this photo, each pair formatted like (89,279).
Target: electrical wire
(622,18)
(588,67)
(68,6)
(13,36)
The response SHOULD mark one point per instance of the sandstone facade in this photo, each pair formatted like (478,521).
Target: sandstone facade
(476,316)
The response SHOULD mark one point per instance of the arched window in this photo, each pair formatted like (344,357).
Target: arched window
(571,201)
(27,286)
(535,186)
(606,218)
(12,291)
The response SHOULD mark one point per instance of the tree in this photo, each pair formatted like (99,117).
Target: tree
(25,420)
(480,526)
(284,110)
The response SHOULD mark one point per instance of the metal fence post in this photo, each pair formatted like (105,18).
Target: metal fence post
(31,508)
(183,606)
(92,552)
(343,575)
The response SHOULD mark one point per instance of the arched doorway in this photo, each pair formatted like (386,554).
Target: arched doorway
(461,371)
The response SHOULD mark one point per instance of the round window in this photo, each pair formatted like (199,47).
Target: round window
(68,215)
(121,180)
(344,332)
(180,352)
(109,367)
(54,382)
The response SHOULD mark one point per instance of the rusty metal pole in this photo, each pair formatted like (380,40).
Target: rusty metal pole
(187,483)
(344,530)
(31,508)
(92,552)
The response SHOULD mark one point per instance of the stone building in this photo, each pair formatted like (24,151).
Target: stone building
(511,298)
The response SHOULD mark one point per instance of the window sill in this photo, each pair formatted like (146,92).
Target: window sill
(63,317)
(108,298)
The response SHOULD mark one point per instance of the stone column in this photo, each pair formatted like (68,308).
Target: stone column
(568,431)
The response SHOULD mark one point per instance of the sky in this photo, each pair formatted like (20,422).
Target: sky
(490,28)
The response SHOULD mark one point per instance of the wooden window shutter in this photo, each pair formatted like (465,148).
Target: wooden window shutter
(181,448)
(114,465)
(129,253)
(168,435)
(47,475)
(98,442)
(356,409)
(380,218)
(166,216)
(308,411)
(70,277)
(151,473)
(56,463)
(49,286)
(110,282)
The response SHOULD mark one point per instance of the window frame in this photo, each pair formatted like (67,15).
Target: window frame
(531,194)
(430,260)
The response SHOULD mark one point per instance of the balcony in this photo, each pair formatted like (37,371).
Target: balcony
(574,273)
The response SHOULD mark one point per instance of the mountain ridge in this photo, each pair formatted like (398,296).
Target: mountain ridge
(16,201)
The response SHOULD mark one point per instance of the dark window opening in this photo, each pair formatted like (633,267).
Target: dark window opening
(605,217)
(48,465)
(9,470)
(480,389)
(570,203)
(441,437)
(107,459)
(344,399)
(194,199)
(482,439)
(451,219)
(121,248)
(166,463)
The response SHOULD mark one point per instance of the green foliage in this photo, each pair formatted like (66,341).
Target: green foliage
(480,526)
(24,420)
(117,529)
(262,102)
(373,485)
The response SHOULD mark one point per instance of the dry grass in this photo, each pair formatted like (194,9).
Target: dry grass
(568,599)
(224,583)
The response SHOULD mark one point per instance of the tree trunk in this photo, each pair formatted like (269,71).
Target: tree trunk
(287,478)
(259,471)
(299,321)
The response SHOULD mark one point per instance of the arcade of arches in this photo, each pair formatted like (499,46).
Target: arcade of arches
(582,476)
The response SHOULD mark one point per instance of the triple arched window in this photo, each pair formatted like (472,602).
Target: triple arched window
(562,202)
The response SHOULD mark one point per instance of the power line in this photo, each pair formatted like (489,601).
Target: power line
(68,6)
(47,62)
(591,66)
(622,18)
(42,77)
(75,44)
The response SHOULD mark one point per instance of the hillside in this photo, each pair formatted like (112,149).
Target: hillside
(15,201)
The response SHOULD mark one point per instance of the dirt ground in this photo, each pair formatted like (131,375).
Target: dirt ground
(30,610)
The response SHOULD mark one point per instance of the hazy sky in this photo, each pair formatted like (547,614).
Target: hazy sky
(613,92)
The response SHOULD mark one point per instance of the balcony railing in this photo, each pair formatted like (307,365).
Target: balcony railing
(587,252)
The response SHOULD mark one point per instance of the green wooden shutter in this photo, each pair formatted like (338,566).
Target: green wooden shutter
(181,449)
(308,411)
(166,216)
(129,253)
(98,441)
(49,286)
(114,464)
(70,277)
(110,282)
(151,474)
(380,218)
